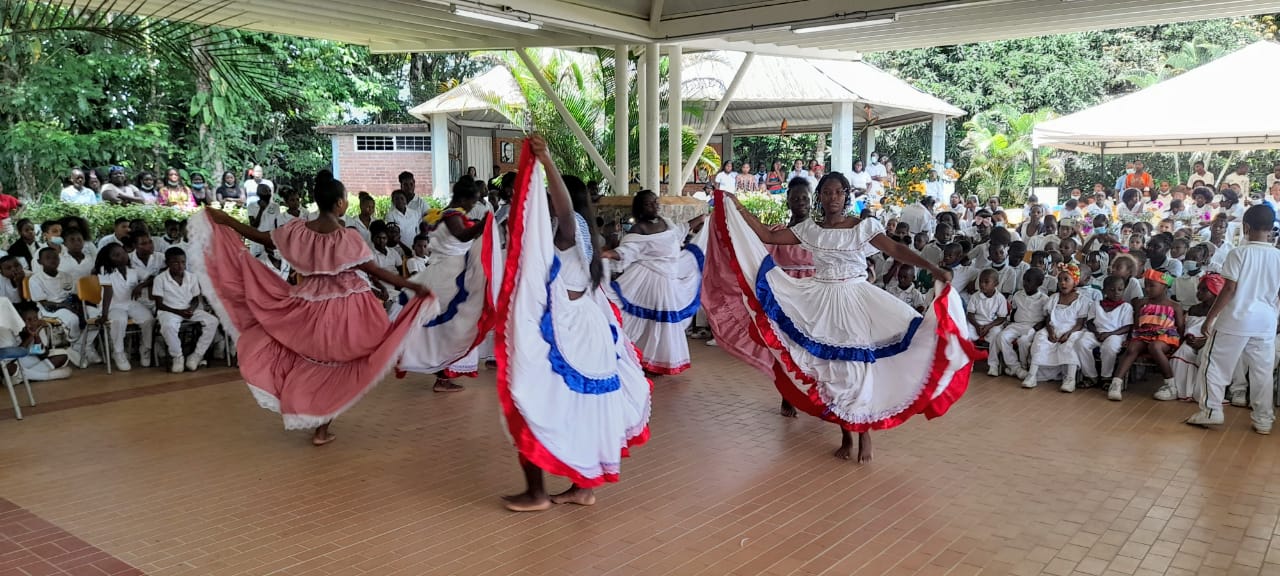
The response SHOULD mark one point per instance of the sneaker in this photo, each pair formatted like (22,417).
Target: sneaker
(712,342)
(1028,382)
(1068,386)
(1263,429)
(176,366)
(193,362)
(92,356)
(993,371)
(144,358)
(1114,392)
(1018,373)
(1240,398)
(1205,418)
(1166,393)
(122,364)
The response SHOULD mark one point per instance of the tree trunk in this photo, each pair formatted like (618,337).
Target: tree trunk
(820,151)
(209,153)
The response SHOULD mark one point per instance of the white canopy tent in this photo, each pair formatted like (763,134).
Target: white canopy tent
(1189,112)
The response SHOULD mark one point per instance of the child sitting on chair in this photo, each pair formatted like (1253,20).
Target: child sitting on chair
(1156,330)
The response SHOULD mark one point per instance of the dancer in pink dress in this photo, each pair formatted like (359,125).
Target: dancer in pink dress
(309,351)
(722,298)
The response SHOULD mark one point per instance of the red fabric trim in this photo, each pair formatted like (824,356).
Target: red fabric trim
(450,374)
(785,367)
(526,443)
(664,370)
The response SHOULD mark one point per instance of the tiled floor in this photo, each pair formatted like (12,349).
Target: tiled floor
(185,475)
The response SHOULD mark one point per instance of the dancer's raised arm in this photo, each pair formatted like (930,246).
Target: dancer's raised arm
(766,235)
(561,203)
(250,233)
(901,253)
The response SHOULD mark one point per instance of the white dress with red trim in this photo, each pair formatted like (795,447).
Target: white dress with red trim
(573,394)
(459,277)
(659,293)
(845,350)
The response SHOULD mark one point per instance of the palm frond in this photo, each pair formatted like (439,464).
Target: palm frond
(168,32)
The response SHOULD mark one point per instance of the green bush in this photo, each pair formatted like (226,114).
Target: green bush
(769,208)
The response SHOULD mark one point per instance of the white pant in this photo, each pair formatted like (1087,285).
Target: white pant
(170,323)
(1011,334)
(120,315)
(1224,352)
(1110,350)
(39,370)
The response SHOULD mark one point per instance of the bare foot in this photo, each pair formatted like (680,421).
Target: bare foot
(443,385)
(864,448)
(788,410)
(322,436)
(575,495)
(528,503)
(845,452)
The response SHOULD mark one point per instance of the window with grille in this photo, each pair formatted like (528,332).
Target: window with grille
(375,143)
(393,143)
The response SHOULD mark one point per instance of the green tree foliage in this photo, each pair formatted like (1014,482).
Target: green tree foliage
(998,148)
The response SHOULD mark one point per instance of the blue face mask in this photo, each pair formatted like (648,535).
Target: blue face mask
(1100,230)
(948,164)
(197,186)
(56,241)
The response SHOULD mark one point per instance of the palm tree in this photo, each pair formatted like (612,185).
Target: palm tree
(584,83)
(998,146)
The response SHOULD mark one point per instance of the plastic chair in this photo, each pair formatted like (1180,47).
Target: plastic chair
(10,356)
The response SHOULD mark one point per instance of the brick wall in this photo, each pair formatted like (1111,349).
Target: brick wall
(376,172)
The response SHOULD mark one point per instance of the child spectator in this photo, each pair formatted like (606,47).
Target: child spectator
(144,259)
(1110,320)
(1096,262)
(43,362)
(386,257)
(1187,377)
(1178,250)
(26,246)
(1158,259)
(177,297)
(1029,308)
(943,236)
(1187,286)
(421,253)
(962,275)
(271,258)
(1018,261)
(1156,332)
(904,288)
(1071,211)
(11,275)
(1126,266)
(987,313)
(120,289)
(1221,246)
(54,292)
(1242,324)
(1056,344)
(118,235)
(74,260)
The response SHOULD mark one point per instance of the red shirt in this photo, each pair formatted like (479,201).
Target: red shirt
(1140,181)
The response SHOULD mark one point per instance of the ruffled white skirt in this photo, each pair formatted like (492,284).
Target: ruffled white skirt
(658,305)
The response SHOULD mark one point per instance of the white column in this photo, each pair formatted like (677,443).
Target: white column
(440,155)
(653,173)
(842,137)
(675,121)
(938,144)
(868,144)
(642,102)
(621,120)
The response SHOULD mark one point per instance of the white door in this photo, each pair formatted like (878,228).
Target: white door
(480,155)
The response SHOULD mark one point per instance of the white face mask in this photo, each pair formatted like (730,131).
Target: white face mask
(1129,170)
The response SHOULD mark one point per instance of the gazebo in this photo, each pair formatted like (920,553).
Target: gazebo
(742,94)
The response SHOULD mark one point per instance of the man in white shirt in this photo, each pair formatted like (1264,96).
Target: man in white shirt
(1199,174)
(878,173)
(725,179)
(919,216)
(76,192)
(250,186)
(1239,178)
(798,171)
(1242,325)
(935,187)
(1273,177)
(409,185)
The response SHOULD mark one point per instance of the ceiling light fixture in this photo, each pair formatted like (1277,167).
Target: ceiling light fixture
(845,24)
(508,20)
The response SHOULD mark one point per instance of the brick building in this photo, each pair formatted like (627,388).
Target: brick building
(369,157)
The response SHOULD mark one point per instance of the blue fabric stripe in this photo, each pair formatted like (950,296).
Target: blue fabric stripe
(772,309)
(575,380)
(669,316)
(452,309)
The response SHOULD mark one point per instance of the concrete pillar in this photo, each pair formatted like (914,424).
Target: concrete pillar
(675,121)
(842,138)
(653,172)
(440,155)
(642,116)
(868,144)
(938,143)
(621,120)
(726,147)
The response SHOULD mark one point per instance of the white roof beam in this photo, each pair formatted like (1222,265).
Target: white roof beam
(598,21)
(718,22)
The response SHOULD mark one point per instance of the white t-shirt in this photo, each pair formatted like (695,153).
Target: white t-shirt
(416,264)
(108,240)
(985,310)
(408,222)
(282,270)
(1252,311)
(84,195)
(860,180)
(67,263)
(147,270)
(1029,309)
(390,262)
(173,294)
(1111,320)
(122,286)
(727,181)
(250,188)
(1207,178)
(911,296)
(268,216)
(46,288)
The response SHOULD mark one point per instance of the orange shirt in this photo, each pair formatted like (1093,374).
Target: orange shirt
(1139,181)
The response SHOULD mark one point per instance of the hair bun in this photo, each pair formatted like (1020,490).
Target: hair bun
(324,176)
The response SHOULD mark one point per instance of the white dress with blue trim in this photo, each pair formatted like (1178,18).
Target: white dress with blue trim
(659,293)
(850,352)
(573,393)
(457,277)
